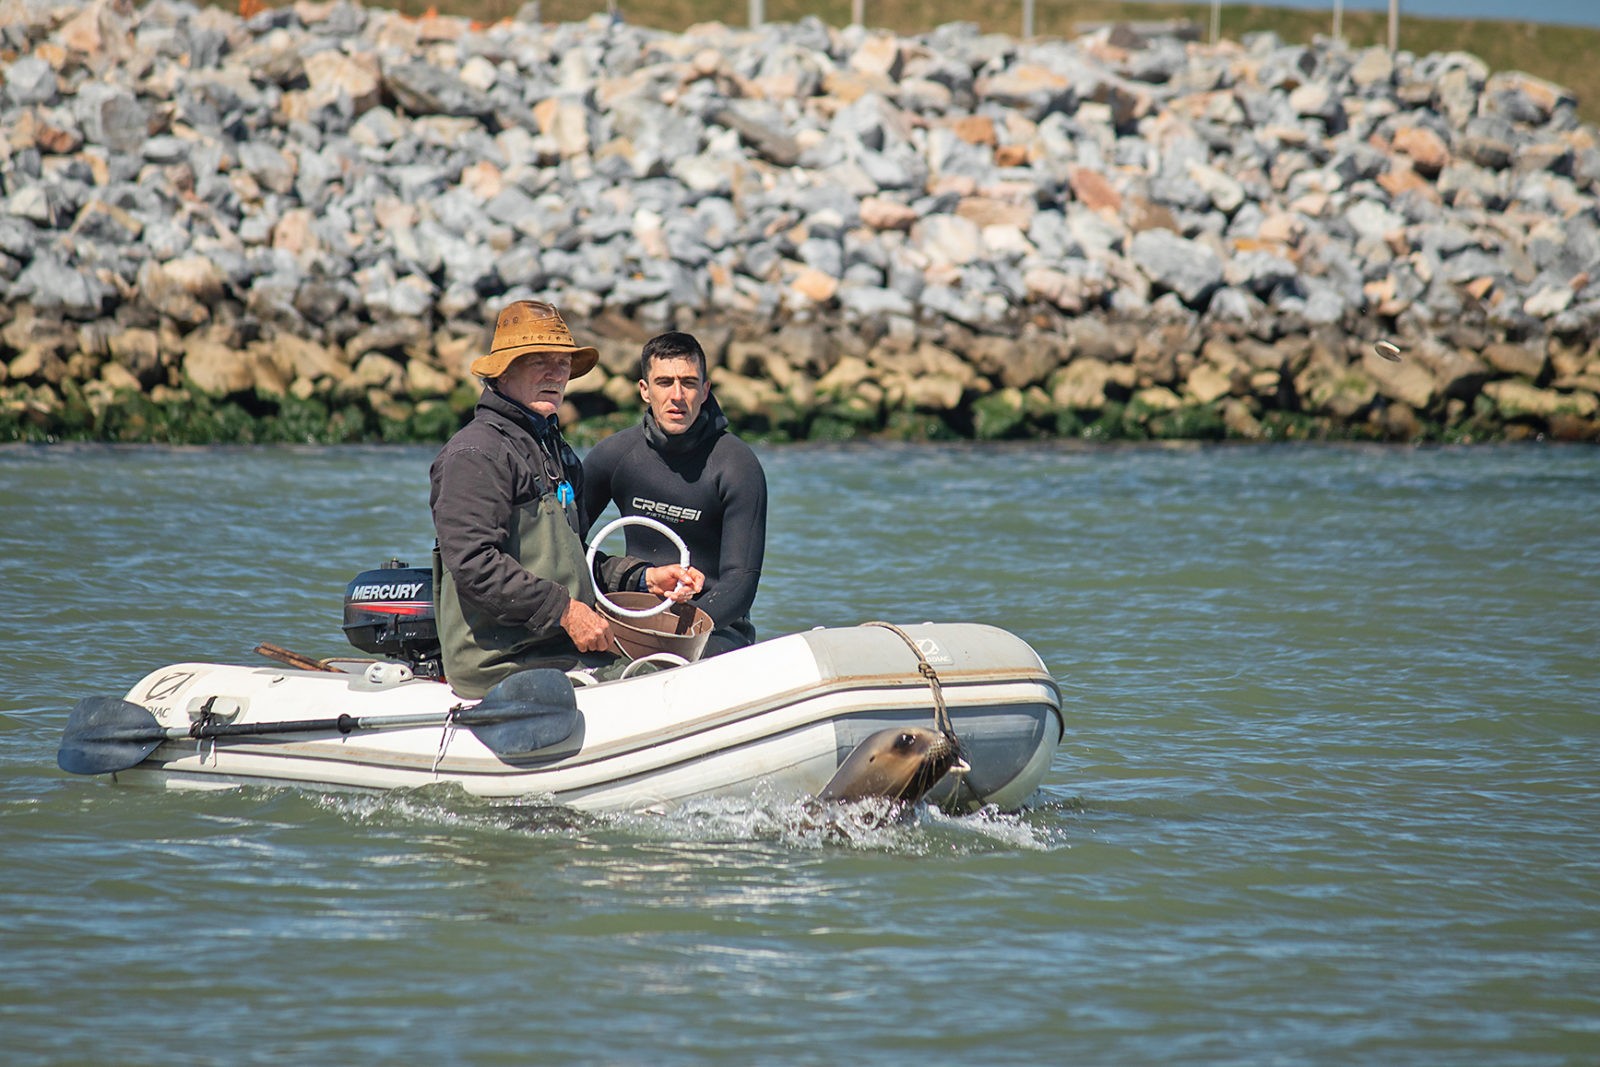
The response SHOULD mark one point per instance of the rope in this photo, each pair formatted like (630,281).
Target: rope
(941,714)
(449,730)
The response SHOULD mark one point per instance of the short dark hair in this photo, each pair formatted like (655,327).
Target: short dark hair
(673,345)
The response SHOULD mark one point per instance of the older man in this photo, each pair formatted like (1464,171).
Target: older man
(681,466)
(512,586)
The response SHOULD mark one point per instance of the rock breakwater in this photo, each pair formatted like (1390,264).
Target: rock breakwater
(309,217)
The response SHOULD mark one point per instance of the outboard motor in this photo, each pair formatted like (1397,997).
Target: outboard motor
(388,612)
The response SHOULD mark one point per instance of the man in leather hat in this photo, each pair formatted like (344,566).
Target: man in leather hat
(513,589)
(682,467)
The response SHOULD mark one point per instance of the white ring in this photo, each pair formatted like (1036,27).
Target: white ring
(635,520)
(671,659)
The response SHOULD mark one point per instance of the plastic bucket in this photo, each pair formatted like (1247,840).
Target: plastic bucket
(682,629)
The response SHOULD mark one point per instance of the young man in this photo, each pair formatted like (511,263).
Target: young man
(511,583)
(681,467)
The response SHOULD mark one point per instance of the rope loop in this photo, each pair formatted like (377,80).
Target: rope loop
(941,714)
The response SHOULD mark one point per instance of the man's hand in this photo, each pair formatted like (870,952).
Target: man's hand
(588,628)
(674,581)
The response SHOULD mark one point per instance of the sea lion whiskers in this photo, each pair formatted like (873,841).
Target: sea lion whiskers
(899,763)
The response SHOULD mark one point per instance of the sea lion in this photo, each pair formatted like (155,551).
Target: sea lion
(899,764)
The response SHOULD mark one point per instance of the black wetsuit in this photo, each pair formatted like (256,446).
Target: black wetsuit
(708,487)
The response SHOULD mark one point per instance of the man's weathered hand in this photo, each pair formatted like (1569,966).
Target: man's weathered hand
(588,629)
(674,581)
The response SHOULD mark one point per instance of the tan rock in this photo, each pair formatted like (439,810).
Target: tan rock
(1409,381)
(138,352)
(948,240)
(299,357)
(1094,191)
(1515,359)
(217,369)
(1013,155)
(332,74)
(1516,399)
(1081,385)
(1021,80)
(814,285)
(883,214)
(377,371)
(621,391)
(1158,398)
(56,140)
(1240,421)
(268,377)
(1069,292)
(422,380)
(1402,177)
(482,179)
(1545,95)
(983,211)
(293,234)
(881,55)
(935,360)
(1427,150)
(1342,392)
(975,129)
(566,123)
(102,29)
(181,289)
(847,86)
(740,395)
(845,377)
(1207,383)
(929,392)
(1016,363)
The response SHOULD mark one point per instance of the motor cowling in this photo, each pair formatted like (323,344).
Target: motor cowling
(388,612)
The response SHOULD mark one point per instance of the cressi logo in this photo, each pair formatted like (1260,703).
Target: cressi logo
(657,509)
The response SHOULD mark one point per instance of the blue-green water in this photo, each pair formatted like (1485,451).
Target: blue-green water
(1328,792)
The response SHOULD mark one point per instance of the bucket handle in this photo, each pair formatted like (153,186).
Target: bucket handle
(635,520)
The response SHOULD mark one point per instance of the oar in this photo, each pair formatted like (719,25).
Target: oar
(525,712)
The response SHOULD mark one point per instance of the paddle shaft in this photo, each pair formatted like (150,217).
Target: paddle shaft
(343,723)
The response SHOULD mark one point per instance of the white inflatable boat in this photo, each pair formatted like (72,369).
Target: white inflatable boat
(774,720)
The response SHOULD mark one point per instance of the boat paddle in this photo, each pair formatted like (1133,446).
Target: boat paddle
(528,711)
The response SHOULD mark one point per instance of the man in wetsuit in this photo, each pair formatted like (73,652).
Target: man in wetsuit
(512,587)
(682,467)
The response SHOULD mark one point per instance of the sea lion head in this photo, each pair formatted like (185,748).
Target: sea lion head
(901,763)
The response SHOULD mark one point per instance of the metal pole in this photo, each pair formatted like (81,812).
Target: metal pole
(1338,20)
(1394,26)
(757,15)
(1216,20)
(1027,18)
(858,13)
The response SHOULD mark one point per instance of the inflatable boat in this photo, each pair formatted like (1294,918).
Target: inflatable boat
(775,720)
(771,721)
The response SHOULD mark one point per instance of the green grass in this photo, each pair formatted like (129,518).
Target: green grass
(1562,54)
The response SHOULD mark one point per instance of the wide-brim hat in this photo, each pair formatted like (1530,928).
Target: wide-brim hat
(529,327)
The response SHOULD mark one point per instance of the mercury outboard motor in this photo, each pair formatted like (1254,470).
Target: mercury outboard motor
(388,612)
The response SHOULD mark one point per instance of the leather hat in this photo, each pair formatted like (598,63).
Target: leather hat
(528,327)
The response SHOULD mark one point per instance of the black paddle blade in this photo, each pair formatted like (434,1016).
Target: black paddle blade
(526,712)
(105,734)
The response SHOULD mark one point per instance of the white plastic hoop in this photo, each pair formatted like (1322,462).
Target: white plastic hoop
(635,520)
(671,659)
